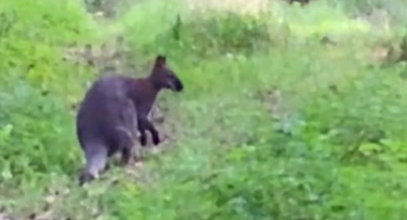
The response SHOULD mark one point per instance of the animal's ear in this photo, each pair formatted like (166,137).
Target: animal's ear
(160,61)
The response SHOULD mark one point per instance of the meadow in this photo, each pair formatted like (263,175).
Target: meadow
(289,112)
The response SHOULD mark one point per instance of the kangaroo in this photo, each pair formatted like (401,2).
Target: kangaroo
(114,109)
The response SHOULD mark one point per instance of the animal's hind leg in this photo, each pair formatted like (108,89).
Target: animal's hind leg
(96,159)
(125,141)
(127,154)
(128,151)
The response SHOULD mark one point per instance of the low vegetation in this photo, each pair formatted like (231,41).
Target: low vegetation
(289,111)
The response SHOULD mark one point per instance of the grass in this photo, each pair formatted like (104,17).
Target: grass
(336,151)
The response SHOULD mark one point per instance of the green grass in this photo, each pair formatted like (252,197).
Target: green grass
(332,154)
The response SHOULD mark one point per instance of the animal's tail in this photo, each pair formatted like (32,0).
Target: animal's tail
(96,159)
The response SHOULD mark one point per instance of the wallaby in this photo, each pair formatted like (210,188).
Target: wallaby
(113,109)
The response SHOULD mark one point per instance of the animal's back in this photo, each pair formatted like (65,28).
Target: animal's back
(104,109)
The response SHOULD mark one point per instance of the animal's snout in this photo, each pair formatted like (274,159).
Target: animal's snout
(177,85)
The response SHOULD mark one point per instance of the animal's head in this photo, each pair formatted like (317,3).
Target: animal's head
(163,77)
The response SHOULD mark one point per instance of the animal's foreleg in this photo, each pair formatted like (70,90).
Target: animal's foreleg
(154,133)
(143,125)
(143,137)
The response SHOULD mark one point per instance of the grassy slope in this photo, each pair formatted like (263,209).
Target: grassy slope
(229,161)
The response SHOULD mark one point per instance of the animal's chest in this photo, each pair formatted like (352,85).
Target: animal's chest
(144,107)
(145,99)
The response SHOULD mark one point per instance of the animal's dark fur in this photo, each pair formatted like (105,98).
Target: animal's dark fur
(302,2)
(114,108)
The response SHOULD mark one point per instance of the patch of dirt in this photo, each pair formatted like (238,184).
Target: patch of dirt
(53,198)
(4,215)
(108,58)
(273,101)
(385,52)
(380,19)
(252,7)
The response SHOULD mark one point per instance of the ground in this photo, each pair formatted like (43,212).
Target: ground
(288,112)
